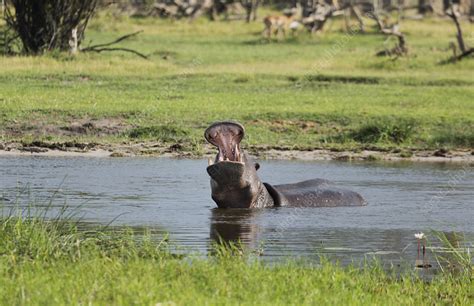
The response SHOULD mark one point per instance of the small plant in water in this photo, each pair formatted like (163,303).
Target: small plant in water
(421,263)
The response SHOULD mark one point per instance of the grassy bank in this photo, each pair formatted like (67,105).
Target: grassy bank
(55,264)
(327,91)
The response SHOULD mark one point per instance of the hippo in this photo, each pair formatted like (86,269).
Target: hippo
(235,183)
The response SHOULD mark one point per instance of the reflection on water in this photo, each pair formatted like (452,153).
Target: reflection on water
(173,195)
(234,225)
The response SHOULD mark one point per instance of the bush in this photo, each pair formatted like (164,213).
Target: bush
(161,132)
(454,137)
(48,24)
(385,130)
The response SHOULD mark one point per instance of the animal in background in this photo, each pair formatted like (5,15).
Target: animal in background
(277,25)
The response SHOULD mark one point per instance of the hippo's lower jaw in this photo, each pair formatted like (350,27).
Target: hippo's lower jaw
(235,183)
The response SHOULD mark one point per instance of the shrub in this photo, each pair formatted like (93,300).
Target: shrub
(391,130)
(162,132)
(48,24)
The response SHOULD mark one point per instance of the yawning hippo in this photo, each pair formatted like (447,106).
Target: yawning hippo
(235,183)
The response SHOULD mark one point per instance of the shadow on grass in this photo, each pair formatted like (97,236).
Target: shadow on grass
(288,40)
(340,79)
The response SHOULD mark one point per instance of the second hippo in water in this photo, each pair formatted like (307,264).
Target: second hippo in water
(235,183)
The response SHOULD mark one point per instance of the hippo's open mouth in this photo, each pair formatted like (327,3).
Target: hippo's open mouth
(226,136)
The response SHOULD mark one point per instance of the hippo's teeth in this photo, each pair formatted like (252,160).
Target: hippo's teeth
(226,158)
(210,162)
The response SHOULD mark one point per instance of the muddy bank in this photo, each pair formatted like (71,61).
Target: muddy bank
(40,124)
(419,156)
(120,138)
(40,148)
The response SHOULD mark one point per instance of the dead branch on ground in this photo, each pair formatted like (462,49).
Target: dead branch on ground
(192,9)
(401,48)
(106,46)
(323,12)
(454,14)
(352,10)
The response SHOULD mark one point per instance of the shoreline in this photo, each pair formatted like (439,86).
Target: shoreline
(174,151)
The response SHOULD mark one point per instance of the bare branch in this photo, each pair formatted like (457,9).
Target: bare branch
(121,38)
(453,13)
(104,47)
(401,48)
(99,50)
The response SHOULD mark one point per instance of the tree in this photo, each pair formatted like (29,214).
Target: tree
(44,25)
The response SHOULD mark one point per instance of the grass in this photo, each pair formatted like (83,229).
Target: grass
(53,263)
(457,258)
(385,131)
(328,91)
(163,132)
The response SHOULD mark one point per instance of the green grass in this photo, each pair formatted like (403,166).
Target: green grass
(53,263)
(327,91)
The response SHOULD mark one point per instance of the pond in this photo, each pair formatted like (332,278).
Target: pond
(173,196)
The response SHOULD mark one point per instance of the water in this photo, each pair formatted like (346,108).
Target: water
(173,195)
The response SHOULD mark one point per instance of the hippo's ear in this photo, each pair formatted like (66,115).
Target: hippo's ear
(257,166)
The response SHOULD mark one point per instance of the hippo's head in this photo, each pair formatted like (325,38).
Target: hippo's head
(234,180)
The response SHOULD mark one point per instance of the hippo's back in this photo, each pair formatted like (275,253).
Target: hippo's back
(317,193)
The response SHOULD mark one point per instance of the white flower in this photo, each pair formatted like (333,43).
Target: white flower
(419,235)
